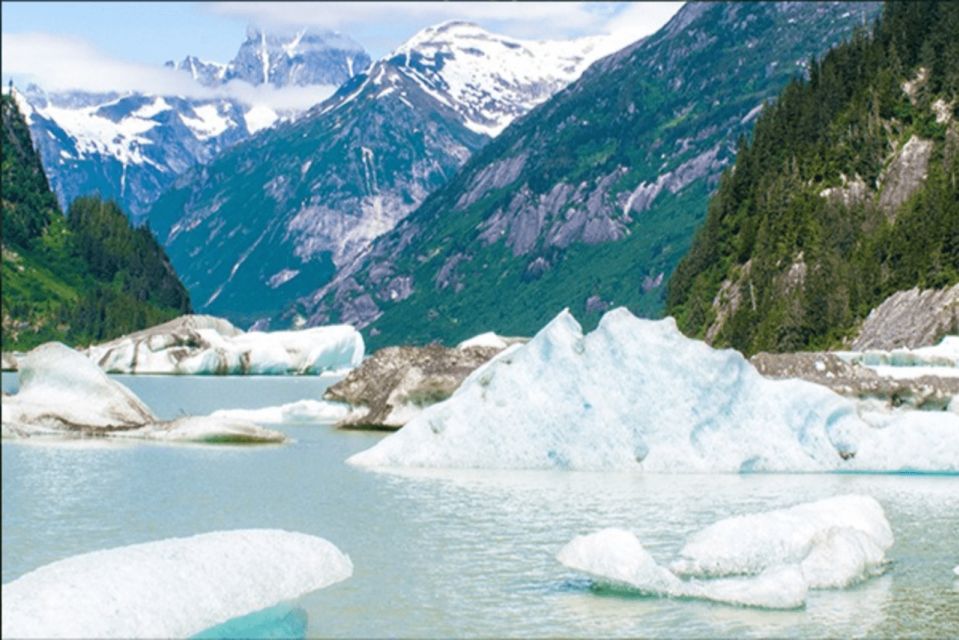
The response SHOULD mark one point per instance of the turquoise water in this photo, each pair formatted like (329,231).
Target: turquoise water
(453,553)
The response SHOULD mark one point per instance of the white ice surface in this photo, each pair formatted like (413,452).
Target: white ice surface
(617,558)
(764,560)
(293,412)
(59,387)
(62,393)
(170,588)
(197,345)
(488,339)
(637,394)
(837,541)
(937,360)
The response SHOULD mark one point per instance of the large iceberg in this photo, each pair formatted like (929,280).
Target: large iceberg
(637,394)
(199,344)
(62,393)
(171,588)
(766,559)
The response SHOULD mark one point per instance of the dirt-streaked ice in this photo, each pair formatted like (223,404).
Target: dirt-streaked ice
(62,393)
(637,394)
(170,588)
(207,345)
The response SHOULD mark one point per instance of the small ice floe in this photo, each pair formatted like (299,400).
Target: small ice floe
(171,588)
(197,344)
(62,393)
(302,411)
(637,394)
(768,560)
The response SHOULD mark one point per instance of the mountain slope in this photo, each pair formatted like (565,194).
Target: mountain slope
(85,278)
(592,198)
(273,218)
(131,147)
(847,193)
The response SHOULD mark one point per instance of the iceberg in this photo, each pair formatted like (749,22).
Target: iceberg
(941,360)
(170,588)
(636,394)
(837,542)
(200,345)
(302,411)
(766,560)
(617,559)
(62,393)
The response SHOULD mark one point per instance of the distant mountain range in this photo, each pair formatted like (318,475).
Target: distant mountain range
(591,199)
(275,217)
(131,147)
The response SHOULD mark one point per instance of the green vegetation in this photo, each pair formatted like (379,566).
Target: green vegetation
(793,268)
(666,110)
(84,278)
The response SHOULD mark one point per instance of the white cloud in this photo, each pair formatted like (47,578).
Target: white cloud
(59,63)
(382,26)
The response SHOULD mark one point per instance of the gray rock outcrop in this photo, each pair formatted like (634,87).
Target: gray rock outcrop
(396,383)
(857,381)
(910,319)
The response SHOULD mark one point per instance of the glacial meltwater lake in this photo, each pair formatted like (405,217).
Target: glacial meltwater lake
(454,554)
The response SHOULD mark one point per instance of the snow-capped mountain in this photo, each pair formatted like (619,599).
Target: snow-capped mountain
(276,216)
(491,79)
(306,57)
(132,146)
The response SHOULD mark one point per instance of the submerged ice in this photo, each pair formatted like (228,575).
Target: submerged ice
(637,394)
(766,559)
(171,588)
(62,393)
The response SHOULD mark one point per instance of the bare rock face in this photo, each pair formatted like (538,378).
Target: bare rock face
(857,381)
(910,319)
(8,361)
(396,383)
(905,174)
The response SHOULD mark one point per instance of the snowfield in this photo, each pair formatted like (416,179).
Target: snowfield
(172,588)
(62,393)
(637,394)
(768,560)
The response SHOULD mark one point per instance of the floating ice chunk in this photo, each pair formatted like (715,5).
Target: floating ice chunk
(956,570)
(62,393)
(837,541)
(637,394)
(170,588)
(61,390)
(938,360)
(207,345)
(206,430)
(293,412)
(617,558)
(764,560)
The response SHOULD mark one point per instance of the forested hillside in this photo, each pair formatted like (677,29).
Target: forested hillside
(590,200)
(847,192)
(86,277)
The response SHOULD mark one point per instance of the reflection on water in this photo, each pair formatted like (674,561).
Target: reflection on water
(460,553)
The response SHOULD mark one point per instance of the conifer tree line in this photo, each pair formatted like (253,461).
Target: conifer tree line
(778,265)
(84,277)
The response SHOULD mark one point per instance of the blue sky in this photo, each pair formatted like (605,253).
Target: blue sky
(105,46)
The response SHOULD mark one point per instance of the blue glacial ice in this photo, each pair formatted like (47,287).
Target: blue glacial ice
(170,588)
(637,394)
